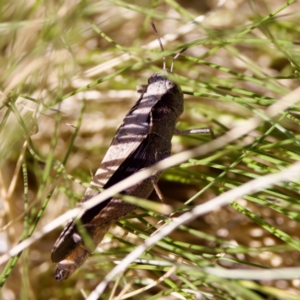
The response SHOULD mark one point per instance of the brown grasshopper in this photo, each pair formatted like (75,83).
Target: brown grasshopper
(143,139)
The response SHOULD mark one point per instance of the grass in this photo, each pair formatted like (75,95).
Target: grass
(68,77)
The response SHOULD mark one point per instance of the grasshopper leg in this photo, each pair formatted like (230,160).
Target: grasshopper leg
(195,131)
(158,191)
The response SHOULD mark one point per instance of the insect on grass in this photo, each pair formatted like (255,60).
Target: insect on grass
(143,139)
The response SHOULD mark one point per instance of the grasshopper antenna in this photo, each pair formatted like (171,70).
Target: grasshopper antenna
(175,57)
(160,43)
(163,50)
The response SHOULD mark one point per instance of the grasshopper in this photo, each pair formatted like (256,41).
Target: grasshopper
(143,139)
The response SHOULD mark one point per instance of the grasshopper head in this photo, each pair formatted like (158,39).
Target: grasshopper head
(168,91)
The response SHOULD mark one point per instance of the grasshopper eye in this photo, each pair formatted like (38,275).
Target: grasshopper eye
(170,84)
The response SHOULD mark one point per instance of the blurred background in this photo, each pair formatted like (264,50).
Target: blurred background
(68,76)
